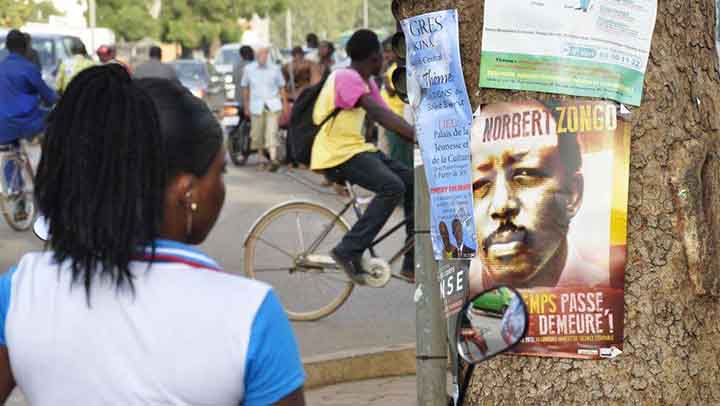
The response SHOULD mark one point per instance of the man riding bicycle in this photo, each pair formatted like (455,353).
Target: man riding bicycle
(21,89)
(341,151)
(21,115)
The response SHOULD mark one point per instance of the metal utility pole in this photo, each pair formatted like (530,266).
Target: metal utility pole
(91,17)
(430,326)
(366,14)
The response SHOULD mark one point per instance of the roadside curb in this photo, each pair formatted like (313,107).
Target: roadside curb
(358,365)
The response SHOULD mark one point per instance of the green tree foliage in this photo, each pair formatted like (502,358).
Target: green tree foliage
(15,13)
(130,19)
(330,19)
(193,24)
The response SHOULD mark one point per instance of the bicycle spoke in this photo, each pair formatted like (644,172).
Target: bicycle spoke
(299,230)
(336,278)
(271,245)
(324,286)
(326,276)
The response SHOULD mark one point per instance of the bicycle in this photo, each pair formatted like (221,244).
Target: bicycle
(311,264)
(16,186)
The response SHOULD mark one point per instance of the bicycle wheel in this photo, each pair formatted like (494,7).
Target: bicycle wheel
(16,200)
(310,287)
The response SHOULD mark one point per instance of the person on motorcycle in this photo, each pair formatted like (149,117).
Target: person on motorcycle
(341,151)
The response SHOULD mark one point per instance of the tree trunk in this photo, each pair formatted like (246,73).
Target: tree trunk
(672,325)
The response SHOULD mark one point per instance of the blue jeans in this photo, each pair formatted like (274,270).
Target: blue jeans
(392,183)
(13,177)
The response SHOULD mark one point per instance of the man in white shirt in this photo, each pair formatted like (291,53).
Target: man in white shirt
(264,99)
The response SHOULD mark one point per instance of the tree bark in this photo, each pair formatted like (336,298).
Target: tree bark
(672,325)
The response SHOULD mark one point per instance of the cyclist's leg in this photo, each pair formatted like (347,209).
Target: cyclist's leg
(11,172)
(8,170)
(369,171)
(407,177)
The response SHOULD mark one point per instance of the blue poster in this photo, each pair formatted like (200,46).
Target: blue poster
(443,118)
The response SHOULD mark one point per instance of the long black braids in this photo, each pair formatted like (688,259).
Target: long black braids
(102,175)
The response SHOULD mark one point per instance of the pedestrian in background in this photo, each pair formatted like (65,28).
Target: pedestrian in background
(247,56)
(300,70)
(160,324)
(327,61)
(154,68)
(398,147)
(108,54)
(264,99)
(311,48)
(69,68)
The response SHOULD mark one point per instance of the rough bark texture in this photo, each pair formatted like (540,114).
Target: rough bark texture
(672,326)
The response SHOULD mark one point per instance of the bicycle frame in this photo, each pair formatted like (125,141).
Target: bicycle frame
(354,204)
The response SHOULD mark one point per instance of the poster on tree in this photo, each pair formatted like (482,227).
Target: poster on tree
(550,188)
(595,48)
(442,116)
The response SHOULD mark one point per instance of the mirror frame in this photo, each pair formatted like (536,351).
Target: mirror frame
(465,307)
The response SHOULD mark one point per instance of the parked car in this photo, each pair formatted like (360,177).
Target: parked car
(3,51)
(51,48)
(203,81)
(226,58)
(496,301)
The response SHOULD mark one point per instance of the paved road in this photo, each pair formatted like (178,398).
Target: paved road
(398,391)
(370,318)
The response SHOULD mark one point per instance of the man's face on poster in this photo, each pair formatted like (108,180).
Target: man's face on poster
(457,231)
(444,234)
(525,196)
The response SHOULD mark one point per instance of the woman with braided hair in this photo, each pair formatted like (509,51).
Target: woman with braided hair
(120,309)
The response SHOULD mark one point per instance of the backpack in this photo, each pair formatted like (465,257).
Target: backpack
(302,131)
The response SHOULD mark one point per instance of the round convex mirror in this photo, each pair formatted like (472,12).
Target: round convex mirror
(491,323)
